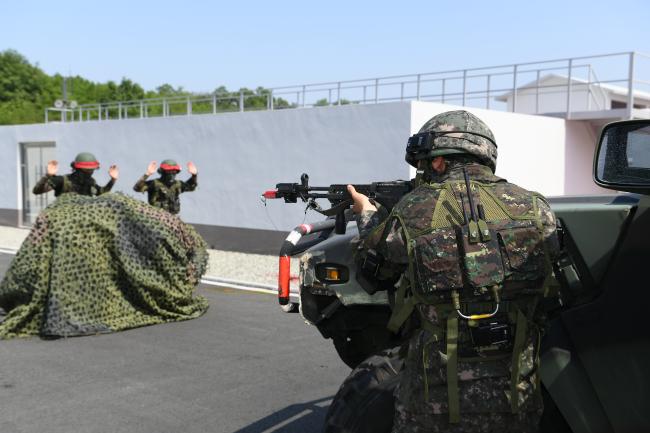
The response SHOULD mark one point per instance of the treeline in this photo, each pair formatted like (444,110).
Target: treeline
(26,91)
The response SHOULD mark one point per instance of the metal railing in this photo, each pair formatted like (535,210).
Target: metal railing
(505,87)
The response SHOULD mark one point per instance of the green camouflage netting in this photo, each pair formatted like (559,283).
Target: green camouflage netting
(102,264)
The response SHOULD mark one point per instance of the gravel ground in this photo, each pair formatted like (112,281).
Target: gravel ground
(242,268)
(252,268)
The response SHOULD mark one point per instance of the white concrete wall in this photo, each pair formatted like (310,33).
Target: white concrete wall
(579,159)
(531,148)
(240,155)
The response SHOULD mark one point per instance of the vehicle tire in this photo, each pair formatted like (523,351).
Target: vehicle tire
(356,346)
(365,403)
(291,307)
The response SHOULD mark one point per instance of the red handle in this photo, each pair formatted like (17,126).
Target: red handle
(283,280)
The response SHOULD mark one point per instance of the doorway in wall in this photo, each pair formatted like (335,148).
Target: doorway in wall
(33,163)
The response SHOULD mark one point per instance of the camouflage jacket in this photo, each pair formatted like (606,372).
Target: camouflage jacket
(386,235)
(74,182)
(390,242)
(165,196)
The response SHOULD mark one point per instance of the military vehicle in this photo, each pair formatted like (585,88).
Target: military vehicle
(596,350)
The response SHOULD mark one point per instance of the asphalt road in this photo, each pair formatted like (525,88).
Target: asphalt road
(243,367)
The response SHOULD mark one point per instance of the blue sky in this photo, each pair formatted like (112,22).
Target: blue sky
(203,44)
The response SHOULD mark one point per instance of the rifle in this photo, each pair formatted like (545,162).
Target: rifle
(385,193)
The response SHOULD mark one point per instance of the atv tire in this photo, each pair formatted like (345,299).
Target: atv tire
(358,345)
(365,403)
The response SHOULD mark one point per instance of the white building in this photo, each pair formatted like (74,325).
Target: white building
(241,154)
(555,95)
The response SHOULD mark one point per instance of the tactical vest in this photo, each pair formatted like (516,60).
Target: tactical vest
(70,184)
(166,197)
(480,255)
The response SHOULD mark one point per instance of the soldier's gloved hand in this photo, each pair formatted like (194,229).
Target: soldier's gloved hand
(113,172)
(361,202)
(52,167)
(151,168)
(191,168)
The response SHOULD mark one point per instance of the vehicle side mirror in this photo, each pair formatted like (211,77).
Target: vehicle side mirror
(622,161)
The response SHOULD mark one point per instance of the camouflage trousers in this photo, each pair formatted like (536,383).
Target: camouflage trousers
(484,394)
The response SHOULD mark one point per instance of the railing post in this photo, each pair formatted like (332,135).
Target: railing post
(164,107)
(271,98)
(364,93)
(589,89)
(401,92)
(141,109)
(464,86)
(298,99)
(46,117)
(487,101)
(99,112)
(417,92)
(444,85)
(119,110)
(214,103)
(338,94)
(303,95)
(241,101)
(268,102)
(514,89)
(376,90)
(537,93)
(189,106)
(630,87)
(569,89)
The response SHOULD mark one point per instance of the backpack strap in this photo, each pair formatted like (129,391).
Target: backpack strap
(547,257)
(403,305)
(518,347)
(67,185)
(452,369)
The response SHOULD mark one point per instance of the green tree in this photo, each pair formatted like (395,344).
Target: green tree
(26,91)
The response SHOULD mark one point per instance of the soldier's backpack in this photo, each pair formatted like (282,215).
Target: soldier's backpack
(482,260)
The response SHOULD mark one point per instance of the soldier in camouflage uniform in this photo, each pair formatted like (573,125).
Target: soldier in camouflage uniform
(164,191)
(473,255)
(80,180)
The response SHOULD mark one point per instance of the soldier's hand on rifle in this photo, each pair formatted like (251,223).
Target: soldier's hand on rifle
(361,202)
(113,172)
(52,167)
(191,168)
(151,168)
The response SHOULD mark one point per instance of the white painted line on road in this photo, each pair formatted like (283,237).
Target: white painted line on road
(288,421)
(212,282)
(249,287)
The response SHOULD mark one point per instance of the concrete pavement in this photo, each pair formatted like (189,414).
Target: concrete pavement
(243,367)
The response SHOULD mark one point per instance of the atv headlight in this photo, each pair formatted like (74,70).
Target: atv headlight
(332,273)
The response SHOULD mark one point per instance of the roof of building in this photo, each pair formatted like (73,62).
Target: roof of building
(612,89)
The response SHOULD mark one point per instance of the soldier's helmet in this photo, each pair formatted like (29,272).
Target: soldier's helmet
(85,161)
(453,132)
(169,166)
